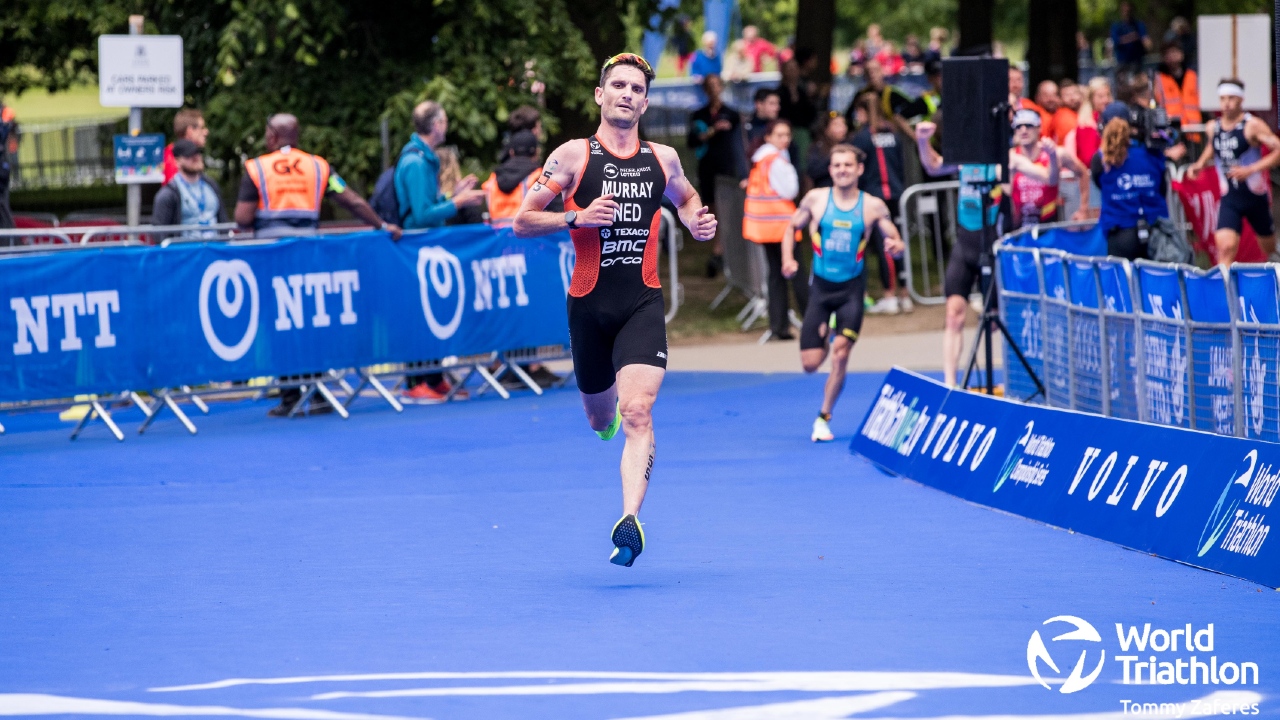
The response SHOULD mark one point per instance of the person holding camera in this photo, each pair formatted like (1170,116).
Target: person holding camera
(1243,171)
(1129,173)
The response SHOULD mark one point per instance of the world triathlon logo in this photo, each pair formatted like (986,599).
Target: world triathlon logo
(438,272)
(1231,525)
(234,281)
(1038,652)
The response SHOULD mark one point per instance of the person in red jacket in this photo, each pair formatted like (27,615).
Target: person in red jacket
(188,124)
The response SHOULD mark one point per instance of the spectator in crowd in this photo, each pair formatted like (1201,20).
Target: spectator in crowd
(8,148)
(417,176)
(771,192)
(883,177)
(1048,101)
(1018,88)
(937,44)
(875,85)
(795,105)
(1066,116)
(682,43)
(1129,38)
(190,198)
(1039,182)
(857,59)
(1237,139)
(834,131)
(1177,88)
(424,205)
(1084,53)
(1131,182)
(889,58)
(1180,32)
(450,180)
(875,40)
(511,179)
(706,61)
(768,103)
(913,56)
(1085,139)
(757,48)
(280,195)
(188,124)
(525,118)
(737,63)
(715,130)
(926,106)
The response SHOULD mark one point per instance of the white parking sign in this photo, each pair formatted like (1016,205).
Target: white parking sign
(140,70)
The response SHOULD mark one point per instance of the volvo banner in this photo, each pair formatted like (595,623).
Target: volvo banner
(1194,497)
(141,318)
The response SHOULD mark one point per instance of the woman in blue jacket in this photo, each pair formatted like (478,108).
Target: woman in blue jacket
(1131,179)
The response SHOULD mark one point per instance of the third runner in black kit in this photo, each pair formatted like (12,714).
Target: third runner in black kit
(613,184)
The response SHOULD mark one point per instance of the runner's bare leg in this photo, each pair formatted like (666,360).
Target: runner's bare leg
(634,392)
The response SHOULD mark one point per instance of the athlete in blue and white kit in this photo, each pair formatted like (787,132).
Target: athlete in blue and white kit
(840,220)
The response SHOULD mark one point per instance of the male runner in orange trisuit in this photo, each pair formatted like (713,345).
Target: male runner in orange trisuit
(613,186)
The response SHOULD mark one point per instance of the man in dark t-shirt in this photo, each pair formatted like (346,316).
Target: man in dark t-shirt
(883,177)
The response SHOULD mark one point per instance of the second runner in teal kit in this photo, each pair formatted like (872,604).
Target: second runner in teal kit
(840,221)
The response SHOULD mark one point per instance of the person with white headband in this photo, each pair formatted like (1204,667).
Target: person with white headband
(1243,172)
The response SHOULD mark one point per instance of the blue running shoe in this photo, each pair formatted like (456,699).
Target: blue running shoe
(628,541)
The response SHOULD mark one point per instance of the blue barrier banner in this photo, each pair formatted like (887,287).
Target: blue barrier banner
(1088,242)
(1188,496)
(140,318)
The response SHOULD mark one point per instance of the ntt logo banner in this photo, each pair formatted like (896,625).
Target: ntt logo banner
(1194,497)
(193,313)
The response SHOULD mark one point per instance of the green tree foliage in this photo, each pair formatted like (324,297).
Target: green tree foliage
(339,65)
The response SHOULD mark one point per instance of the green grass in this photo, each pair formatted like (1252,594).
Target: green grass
(39,106)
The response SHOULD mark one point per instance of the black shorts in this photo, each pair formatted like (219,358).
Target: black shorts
(845,299)
(1243,204)
(964,267)
(605,335)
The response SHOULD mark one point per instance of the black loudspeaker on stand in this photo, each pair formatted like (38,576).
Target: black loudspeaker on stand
(975,131)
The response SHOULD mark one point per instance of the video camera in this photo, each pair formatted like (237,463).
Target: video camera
(1153,127)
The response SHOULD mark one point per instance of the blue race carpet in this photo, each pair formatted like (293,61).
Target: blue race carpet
(451,562)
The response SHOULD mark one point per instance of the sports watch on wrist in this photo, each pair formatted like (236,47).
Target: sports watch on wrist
(571,219)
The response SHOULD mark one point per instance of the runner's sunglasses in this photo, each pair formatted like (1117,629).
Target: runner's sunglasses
(630,59)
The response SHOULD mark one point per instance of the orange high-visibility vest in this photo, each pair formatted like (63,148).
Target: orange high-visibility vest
(503,206)
(1181,103)
(291,185)
(766,214)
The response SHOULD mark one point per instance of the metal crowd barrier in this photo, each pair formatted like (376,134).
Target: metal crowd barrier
(1157,342)
(927,223)
(745,269)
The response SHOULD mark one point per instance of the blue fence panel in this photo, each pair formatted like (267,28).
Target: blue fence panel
(1166,385)
(1057,332)
(1020,306)
(1212,359)
(1085,330)
(1122,337)
(1258,302)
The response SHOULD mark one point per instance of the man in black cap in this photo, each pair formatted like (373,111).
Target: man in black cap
(506,187)
(190,198)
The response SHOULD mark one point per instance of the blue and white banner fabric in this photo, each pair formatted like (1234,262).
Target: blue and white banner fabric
(140,318)
(1194,497)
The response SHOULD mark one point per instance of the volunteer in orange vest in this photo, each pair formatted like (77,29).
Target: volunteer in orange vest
(280,195)
(281,192)
(506,187)
(771,191)
(1177,87)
